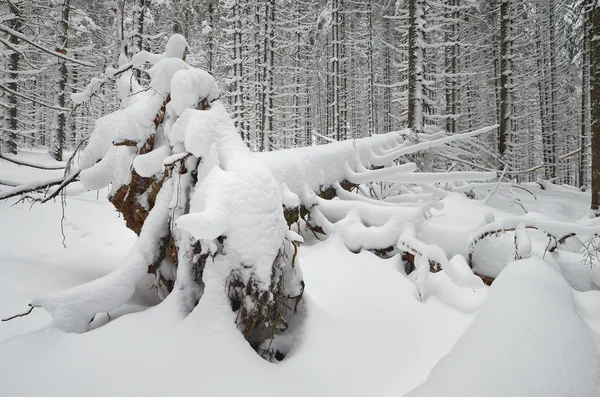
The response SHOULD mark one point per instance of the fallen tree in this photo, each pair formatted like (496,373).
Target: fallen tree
(201,203)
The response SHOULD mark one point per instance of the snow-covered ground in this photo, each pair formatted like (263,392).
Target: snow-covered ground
(367,333)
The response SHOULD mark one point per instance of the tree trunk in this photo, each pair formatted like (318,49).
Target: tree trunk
(595,106)
(415,66)
(371,74)
(11,115)
(238,97)
(585,98)
(552,149)
(267,77)
(59,132)
(451,59)
(505,106)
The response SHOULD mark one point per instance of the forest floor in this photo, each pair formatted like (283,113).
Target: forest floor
(367,332)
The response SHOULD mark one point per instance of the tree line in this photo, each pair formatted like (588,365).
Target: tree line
(303,72)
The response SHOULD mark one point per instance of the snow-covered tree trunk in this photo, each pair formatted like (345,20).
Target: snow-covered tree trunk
(584,138)
(505,78)
(238,95)
(551,141)
(595,104)
(387,74)
(60,118)
(267,109)
(451,64)
(371,70)
(415,65)
(12,83)
(337,103)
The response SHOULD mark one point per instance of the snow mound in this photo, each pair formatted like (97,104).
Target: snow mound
(73,310)
(527,340)
(238,198)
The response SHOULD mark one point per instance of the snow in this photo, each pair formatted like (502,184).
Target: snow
(189,87)
(368,330)
(151,163)
(522,242)
(235,196)
(93,88)
(366,325)
(339,338)
(527,340)
(72,310)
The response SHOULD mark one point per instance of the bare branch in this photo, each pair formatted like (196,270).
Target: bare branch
(66,182)
(30,187)
(31,307)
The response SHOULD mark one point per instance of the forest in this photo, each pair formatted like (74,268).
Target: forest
(300,197)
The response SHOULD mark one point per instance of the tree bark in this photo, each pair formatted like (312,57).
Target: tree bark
(595,106)
(11,114)
(59,133)
(415,67)
(504,131)
(585,109)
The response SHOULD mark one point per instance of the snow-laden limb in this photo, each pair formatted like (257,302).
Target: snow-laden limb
(527,340)
(30,187)
(432,253)
(394,153)
(49,51)
(557,230)
(404,174)
(73,309)
(350,222)
(176,47)
(320,166)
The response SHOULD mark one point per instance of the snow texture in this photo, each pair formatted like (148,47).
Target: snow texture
(72,310)
(235,196)
(527,340)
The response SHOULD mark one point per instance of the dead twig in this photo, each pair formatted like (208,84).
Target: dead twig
(31,307)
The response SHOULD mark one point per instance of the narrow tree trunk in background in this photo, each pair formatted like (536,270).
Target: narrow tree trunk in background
(267,77)
(238,96)
(336,72)
(211,37)
(504,131)
(595,106)
(451,55)
(371,77)
(415,67)
(139,10)
(59,130)
(387,79)
(542,90)
(297,65)
(11,115)
(553,149)
(72,139)
(585,110)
